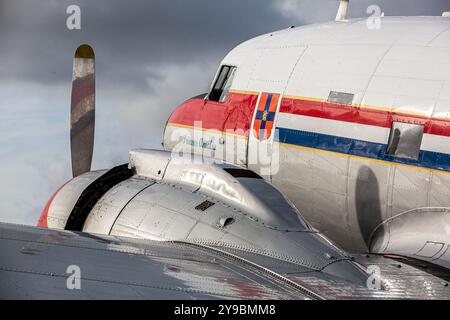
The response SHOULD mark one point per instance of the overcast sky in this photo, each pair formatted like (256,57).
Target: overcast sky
(150,56)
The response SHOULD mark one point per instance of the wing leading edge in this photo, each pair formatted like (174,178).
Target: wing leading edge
(38,264)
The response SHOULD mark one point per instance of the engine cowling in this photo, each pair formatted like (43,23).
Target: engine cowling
(194,199)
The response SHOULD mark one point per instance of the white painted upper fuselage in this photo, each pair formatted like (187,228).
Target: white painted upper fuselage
(358,129)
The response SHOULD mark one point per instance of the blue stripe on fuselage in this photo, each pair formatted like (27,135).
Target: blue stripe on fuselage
(427,159)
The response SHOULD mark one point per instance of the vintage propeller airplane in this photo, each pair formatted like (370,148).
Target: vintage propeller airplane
(345,123)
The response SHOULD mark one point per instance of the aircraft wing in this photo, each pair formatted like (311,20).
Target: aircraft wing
(38,264)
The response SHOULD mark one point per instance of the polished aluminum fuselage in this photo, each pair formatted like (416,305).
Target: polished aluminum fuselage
(328,155)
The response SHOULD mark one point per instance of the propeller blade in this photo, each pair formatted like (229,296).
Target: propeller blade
(82,110)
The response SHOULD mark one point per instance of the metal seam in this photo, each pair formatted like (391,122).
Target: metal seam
(271,274)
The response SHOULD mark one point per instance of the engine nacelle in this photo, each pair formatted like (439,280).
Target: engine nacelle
(169,198)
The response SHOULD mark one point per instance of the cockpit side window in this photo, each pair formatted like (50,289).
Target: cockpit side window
(405,140)
(222,84)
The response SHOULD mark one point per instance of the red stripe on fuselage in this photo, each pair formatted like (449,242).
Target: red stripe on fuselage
(237,112)
(373,117)
(233,115)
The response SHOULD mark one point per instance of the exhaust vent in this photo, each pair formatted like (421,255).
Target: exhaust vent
(242,173)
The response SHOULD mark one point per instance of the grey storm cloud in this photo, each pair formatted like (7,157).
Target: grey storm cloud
(150,56)
(126,35)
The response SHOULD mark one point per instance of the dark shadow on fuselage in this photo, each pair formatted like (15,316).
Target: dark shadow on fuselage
(367,202)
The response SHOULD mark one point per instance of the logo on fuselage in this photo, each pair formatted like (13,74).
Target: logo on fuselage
(265,115)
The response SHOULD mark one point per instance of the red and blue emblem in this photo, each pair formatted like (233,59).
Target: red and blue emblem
(265,115)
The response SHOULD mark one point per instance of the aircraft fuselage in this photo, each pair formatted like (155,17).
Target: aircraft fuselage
(351,124)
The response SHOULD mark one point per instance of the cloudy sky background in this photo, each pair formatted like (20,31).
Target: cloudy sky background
(150,56)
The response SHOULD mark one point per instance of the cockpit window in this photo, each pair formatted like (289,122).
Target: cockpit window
(222,84)
(405,140)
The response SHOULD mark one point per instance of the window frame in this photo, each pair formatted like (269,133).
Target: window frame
(220,94)
(402,143)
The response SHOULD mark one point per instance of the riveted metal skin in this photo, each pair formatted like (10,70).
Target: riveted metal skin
(341,86)
(161,200)
(64,200)
(399,235)
(92,194)
(35,260)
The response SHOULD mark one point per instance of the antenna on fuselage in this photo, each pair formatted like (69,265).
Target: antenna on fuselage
(342,11)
